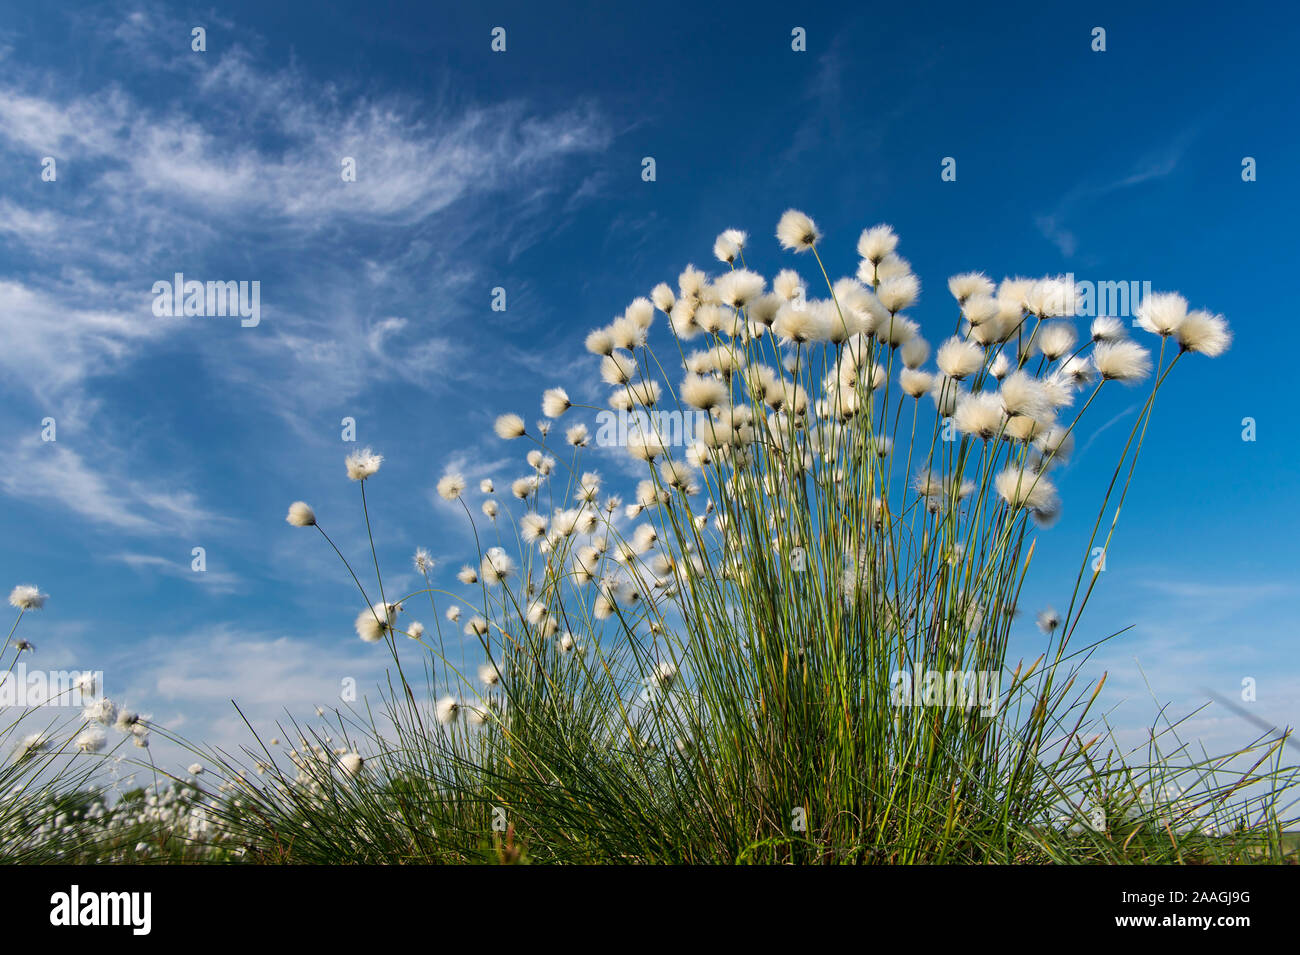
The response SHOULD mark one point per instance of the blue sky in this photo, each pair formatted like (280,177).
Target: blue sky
(522,170)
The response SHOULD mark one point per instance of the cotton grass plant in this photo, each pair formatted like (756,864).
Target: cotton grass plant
(60,780)
(706,671)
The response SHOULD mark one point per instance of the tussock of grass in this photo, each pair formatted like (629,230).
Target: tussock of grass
(707,673)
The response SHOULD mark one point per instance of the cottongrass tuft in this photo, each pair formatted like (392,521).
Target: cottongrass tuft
(27,597)
(451,486)
(91,740)
(727,247)
(497,566)
(300,514)
(352,763)
(509,426)
(373,624)
(1023,488)
(669,642)
(1161,313)
(1203,333)
(447,710)
(1122,361)
(877,242)
(796,231)
(555,401)
(363,464)
(1048,620)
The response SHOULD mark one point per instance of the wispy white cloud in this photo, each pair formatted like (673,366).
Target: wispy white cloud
(218,581)
(163,186)
(53,473)
(1155,165)
(58,336)
(186,682)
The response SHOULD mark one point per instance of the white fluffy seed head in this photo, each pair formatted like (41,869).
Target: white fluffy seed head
(1055,339)
(788,285)
(1050,298)
(532,527)
(958,358)
(914,382)
(617,368)
(663,298)
(892,266)
(980,415)
(728,246)
(1023,428)
(1123,361)
(896,330)
(645,447)
(841,323)
(691,283)
(739,288)
(496,566)
(362,464)
(1023,487)
(447,710)
(451,486)
(640,313)
(898,292)
(796,231)
(1055,443)
(801,323)
(711,318)
(509,426)
(1106,329)
(92,740)
(914,352)
(626,333)
(970,285)
(981,310)
(351,763)
(300,514)
(373,622)
(877,242)
(646,393)
(704,392)
(1022,394)
(681,320)
(1077,370)
(1204,333)
(600,341)
(555,401)
(1161,313)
